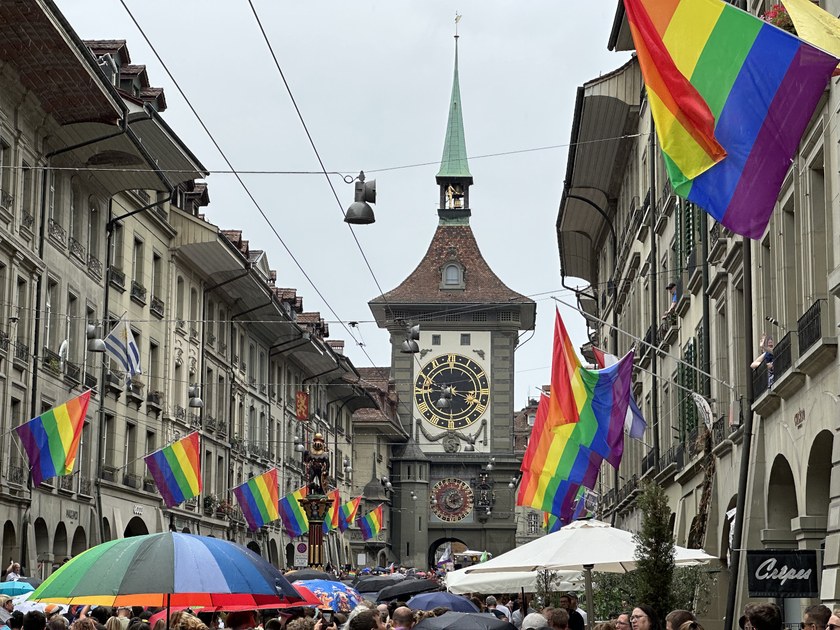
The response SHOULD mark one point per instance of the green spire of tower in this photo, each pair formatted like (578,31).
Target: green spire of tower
(454,162)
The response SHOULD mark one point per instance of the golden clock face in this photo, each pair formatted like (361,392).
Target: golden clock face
(452,391)
(453,499)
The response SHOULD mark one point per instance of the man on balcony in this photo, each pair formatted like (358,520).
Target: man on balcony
(765,346)
(671,287)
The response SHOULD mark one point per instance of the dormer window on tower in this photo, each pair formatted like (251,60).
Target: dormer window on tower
(452,276)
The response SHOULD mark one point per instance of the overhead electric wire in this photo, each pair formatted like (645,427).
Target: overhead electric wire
(241,181)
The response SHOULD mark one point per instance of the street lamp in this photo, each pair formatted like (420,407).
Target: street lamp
(490,463)
(347,467)
(413,496)
(386,483)
(299,447)
(195,399)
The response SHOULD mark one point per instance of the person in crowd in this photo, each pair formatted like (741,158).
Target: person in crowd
(575,618)
(534,621)
(763,616)
(491,605)
(7,607)
(15,621)
(834,620)
(605,625)
(573,598)
(671,288)
(13,572)
(501,604)
(622,621)
(366,620)
(690,625)
(240,620)
(34,620)
(403,618)
(55,621)
(644,617)
(816,617)
(676,618)
(477,603)
(558,619)
(384,613)
(519,614)
(275,623)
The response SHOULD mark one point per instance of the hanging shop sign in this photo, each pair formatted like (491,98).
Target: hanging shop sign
(782,573)
(302,405)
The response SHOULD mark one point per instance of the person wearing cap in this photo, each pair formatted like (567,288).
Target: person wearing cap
(7,607)
(574,599)
(671,287)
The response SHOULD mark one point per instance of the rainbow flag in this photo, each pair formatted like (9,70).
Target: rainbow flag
(176,470)
(258,498)
(371,523)
(294,518)
(551,523)
(331,519)
(52,439)
(760,84)
(347,513)
(575,429)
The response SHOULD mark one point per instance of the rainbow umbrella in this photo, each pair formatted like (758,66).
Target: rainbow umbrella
(333,595)
(168,569)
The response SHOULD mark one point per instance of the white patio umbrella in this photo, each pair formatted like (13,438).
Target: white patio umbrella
(461,582)
(582,546)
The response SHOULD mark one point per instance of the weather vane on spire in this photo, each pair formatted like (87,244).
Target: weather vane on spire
(457,19)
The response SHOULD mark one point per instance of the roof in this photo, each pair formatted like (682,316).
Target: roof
(605,121)
(454,164)
(453,243)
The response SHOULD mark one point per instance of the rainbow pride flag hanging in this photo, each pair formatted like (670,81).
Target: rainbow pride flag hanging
(551,523)
(51,440)
(258,498)
(347,513)
(760,84)
(575,429)
(331,518)
(176,470)
(371,523)
(294,518)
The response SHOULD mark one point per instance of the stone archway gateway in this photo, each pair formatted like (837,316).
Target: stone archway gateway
(437,549)
(135,527)
(255,548)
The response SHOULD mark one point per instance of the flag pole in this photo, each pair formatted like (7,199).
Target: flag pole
(737,549)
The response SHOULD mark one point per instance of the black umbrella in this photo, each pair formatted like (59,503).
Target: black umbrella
(406,587)
(36,582)
(464,621)
(376,583)
(309,574)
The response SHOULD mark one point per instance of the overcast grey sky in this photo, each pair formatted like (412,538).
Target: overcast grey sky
(372,80)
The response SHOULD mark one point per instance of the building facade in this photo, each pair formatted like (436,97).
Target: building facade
(102,220)
(662,276)
(455,394)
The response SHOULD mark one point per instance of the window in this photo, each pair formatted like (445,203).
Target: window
(137,261)
(27,202)
(51,316)
(93,229)
(465,339)
(533,523)
(157,276)
(453,277)
(77,225)
(152,368)
(117,247)
(435,340)
(179,298)
(6,181)
(72,332)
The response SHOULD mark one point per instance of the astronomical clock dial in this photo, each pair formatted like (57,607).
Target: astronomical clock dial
(452,391)
(453,500)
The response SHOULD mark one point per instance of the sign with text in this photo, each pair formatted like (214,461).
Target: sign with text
(302,405)
(301,555)
(782,573)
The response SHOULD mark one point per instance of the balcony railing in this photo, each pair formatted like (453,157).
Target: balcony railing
(154,398)
(648,461)
(138,292)
(66,483)
(156,307)
(194,334)
(26,220)
(51,361)
(209,422)
(809,327)
(4,341)
(180,413)
(57,232)
(761,382)
(85,486)
(17,474)
(78,250)
(131,480)
(91,381)
(117,278)
(21,350)
(94,266)
(6,200)
(195,421)
(72,372)
(782,355)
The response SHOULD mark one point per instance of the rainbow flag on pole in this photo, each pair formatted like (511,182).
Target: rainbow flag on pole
(731,96)
(294,518)
(52,439)
(575,429)
(258,498)
(176,470)
(347,513)
(331,519)
(371,523)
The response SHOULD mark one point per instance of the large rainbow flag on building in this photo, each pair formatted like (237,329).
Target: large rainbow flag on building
(371,523)
(294,518)
(258,498)
(51,440)
(577,427)
(331,518)
(731,96)
(176,470)
(347,513)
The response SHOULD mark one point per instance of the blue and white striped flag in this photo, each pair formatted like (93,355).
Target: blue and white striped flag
(123,349)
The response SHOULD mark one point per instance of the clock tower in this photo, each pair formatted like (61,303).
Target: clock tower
(456,393)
